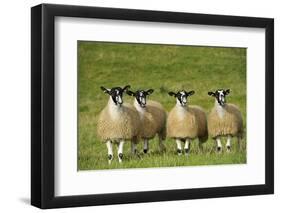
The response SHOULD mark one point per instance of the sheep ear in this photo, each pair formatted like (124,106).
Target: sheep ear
(130,93)
(172,93)
(211,94)
(150,91)
(105,90)
(126,88)
(226,92)
(190,93)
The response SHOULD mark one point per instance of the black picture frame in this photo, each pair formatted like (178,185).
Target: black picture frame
(43,105)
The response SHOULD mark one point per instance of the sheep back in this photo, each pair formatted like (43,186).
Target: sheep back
(126,125)
(230,124)
(153,120)
(190,122)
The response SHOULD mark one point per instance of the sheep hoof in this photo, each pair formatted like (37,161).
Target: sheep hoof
(145,151)
(110,157)
(162,148)
(179,151)
(218,149)
(228,148)
(120,155)
(186,151)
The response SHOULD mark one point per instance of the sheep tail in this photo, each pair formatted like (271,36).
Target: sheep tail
(204,138)
(163,133)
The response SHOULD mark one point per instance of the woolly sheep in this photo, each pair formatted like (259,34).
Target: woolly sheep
(152,116)
(224,120)
(117,122)
(186,123)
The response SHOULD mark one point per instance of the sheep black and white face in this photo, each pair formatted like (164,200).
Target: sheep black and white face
(220,95)
(116,94)
(181,96)
(140,96)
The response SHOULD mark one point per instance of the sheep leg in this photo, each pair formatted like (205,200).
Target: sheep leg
(145,146)
(186,147)
(178,141)
(219,146)
(228,143)
(239,143)
(161,144)
(200,146)
(133,148)
(109,151)
(120,151)
(162,137)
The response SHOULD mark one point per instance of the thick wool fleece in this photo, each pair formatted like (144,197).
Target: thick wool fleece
(124,124)
(153,120)
(187,122)
(230,123)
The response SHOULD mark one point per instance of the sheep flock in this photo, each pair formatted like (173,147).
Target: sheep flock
(136,124)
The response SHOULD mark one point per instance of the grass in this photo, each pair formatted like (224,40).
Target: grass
(164,68)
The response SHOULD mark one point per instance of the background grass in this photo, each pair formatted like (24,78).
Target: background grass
(164,68)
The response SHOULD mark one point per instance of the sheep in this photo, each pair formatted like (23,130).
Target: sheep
(186,123)
(118,122)
(224,120)
(152,116)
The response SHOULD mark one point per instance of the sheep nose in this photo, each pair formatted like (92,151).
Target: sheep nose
(120,101)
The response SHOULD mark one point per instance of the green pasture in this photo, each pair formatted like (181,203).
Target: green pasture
(163,68)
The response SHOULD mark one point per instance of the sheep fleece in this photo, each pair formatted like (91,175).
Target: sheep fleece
(190,122)
(124,126)
(230,124)
(153,120)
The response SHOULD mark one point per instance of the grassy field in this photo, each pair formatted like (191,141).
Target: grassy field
(164,68)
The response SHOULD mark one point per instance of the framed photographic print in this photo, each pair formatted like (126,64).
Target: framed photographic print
(139,106)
